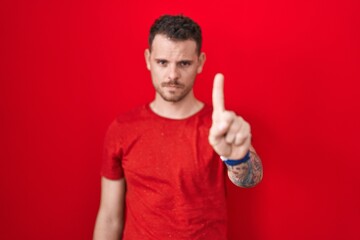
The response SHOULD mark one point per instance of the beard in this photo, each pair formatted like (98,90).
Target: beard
(176,95)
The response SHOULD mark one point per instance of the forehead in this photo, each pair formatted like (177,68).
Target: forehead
(163,46)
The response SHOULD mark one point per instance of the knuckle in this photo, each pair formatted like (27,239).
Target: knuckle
(240,136)
(241,119)
(229,114)
(211,140)
(229,137)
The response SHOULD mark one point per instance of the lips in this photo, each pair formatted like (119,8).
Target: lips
(172,85)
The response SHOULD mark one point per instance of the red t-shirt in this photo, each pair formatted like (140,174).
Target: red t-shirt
(175,182)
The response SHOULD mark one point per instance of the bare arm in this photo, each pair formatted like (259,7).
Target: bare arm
(247,174)
(109,221)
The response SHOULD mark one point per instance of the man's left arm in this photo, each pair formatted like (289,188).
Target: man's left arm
(230,137)
(247,174)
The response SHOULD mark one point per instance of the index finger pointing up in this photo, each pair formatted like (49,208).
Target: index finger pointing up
(218,93)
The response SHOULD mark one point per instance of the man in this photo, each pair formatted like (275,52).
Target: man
(161,163)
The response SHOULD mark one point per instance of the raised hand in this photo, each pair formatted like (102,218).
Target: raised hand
(229,134)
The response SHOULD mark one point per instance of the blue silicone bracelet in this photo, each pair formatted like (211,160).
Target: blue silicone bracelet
(232,162)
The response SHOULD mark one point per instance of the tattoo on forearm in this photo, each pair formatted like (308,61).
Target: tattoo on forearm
(247,174)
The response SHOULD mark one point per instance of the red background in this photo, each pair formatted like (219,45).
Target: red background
(291,69)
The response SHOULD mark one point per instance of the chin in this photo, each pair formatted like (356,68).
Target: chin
(175,96)
(172,98)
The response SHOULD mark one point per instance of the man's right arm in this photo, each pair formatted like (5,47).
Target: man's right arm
(109,222)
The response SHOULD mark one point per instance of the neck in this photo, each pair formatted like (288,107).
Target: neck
(176,110)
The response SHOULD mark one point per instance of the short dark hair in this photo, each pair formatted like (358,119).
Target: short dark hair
(176,27)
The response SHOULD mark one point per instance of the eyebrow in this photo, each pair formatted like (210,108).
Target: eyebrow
(161,59)
(180,61)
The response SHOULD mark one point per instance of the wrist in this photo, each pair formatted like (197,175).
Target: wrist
(233,162)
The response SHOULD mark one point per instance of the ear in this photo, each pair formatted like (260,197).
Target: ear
(147,58)
(202,59)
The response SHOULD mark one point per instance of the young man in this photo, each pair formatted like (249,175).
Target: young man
(162,164)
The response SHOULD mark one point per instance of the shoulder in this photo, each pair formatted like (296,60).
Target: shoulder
(139,113)
(127,120)
(132,115)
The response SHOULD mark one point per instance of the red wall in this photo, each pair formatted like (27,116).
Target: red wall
(291,69)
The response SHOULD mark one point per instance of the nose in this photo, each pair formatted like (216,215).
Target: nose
(174,73)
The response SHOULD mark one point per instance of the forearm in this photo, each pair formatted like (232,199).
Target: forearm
(247,174)
(107,228)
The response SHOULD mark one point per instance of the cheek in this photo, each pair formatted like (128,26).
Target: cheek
(156,74)
(189,75)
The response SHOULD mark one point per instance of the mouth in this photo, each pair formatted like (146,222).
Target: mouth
(172,86)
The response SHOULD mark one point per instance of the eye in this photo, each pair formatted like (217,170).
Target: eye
(161,62)
(185,63)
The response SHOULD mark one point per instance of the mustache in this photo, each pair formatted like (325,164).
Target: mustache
(173,83)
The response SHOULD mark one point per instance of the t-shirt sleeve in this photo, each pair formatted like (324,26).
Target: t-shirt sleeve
(112,153)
